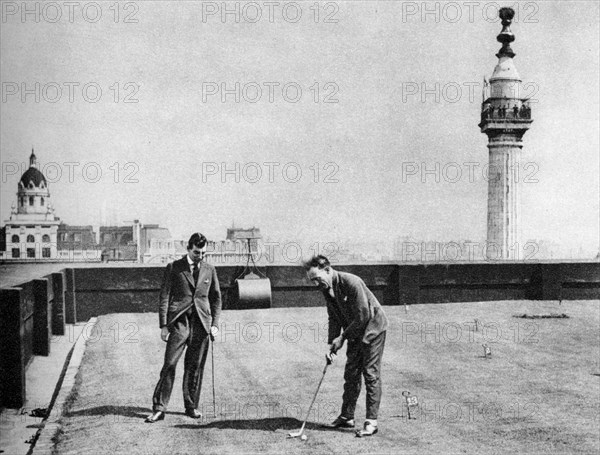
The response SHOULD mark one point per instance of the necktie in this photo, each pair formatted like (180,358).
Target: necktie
(196,273)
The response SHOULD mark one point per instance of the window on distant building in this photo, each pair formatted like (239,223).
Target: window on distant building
(31,252)
(15,239)
(30,200)
(22,202)
(16,253)
(46,238)
(45,252)
(30,238)
(64,236)
(77,237)
(42,201)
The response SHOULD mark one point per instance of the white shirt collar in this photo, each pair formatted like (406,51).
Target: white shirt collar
(191,263)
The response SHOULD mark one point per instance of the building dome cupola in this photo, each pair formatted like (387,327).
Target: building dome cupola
(32,159)
(33,178)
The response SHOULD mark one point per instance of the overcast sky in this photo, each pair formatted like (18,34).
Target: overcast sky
(362,61)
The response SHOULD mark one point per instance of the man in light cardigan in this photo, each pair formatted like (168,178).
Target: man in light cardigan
(354,315)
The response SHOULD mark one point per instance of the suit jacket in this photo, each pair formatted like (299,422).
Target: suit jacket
(178,293)
(355,309)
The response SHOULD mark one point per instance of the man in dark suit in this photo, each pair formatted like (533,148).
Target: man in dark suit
(189,309)
(354,315)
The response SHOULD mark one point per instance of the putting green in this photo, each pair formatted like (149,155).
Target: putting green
(537,393)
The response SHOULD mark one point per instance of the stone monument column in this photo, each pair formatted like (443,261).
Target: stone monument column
(505,117)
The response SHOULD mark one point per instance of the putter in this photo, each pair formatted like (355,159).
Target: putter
(212,355)
(299,433)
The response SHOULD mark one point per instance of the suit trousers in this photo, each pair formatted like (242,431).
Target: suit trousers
(363,359)
(186,331)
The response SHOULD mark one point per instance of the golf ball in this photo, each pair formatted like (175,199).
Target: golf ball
(303,437)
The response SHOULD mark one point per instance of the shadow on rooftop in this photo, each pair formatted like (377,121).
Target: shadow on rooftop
(125,411)
(272,424)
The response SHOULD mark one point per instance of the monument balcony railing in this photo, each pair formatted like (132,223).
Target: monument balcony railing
(508,115)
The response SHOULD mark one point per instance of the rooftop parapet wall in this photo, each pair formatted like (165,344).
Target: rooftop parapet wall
(100,290)
(29,315)
(132,289)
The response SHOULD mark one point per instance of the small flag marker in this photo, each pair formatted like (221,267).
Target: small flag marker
(487,351)
(411,402)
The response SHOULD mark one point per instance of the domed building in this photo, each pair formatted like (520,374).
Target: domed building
(34,233)
(31,230)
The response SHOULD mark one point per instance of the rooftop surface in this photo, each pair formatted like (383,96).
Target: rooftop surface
(537,393)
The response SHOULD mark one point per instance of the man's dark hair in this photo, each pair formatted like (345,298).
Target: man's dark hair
(319,261)
(196,239)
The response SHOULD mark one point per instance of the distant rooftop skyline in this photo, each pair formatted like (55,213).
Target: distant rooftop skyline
(391,148)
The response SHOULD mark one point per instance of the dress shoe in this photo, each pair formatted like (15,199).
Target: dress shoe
(368,430)
(193,413)
(155,417)
(342,422)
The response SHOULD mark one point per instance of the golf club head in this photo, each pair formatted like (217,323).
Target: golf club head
(295,434)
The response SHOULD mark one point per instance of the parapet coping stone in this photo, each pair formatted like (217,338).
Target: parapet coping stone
(45,441)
